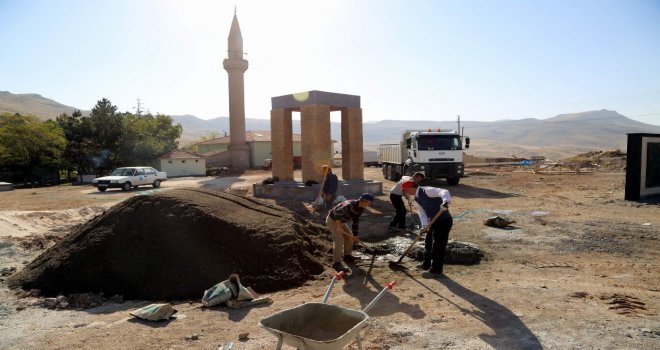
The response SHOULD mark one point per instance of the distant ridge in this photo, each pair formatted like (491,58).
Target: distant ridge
(32,104)
(558,137)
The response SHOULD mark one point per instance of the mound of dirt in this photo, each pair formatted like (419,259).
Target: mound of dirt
(176,244)
(606,160)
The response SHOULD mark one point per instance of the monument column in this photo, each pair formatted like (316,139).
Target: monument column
(352,156)
(281,143)
(316,143)
(236,66)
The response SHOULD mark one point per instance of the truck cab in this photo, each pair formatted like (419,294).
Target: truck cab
(436,153)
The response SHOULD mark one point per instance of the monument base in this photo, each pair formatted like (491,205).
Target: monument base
(351,189)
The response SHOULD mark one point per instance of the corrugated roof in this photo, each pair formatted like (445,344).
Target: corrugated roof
(213,153)
(180,154)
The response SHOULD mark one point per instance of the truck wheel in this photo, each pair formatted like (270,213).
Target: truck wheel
(156,184)
(102,189)
(395,174)
(453,181)
(126,186)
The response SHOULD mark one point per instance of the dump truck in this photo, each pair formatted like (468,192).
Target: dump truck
(370,158)
(436,153)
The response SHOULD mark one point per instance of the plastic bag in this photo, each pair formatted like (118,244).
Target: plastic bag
(155,312)
(226,291)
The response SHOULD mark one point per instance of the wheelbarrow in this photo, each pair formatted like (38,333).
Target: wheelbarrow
(319,326)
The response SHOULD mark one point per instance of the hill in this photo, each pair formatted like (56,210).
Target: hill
(561,136)
(32,104)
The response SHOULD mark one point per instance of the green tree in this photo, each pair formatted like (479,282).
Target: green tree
(106,131)
(78,132)
(28,146)
(146,136)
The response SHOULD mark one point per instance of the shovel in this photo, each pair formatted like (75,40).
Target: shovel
(425,229)
(315,203)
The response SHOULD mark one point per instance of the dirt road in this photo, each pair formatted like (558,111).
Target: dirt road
(578,270)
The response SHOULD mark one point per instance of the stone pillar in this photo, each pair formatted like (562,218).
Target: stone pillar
(281,136)
(351,144)
(316,140)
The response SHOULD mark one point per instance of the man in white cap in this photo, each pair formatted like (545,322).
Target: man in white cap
(396,197)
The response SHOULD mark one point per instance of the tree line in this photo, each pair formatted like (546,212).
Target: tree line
(32,150)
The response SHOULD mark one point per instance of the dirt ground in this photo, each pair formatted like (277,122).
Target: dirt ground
(578,270)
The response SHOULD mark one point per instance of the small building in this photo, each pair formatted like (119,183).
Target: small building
(182,163)
(643,166)
(260,149)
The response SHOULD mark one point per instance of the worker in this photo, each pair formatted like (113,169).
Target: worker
(329,190)
(396,197)
(429,201)
(343,237)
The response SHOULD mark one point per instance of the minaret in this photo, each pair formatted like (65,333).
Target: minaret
(236,66)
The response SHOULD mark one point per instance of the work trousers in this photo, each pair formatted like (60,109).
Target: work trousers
(328,198)
(399,219)
(436,243)
(342,245)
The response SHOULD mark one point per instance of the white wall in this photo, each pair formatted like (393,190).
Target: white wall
(183,167)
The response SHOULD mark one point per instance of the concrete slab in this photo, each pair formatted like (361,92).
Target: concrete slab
(298,191)
(6,186)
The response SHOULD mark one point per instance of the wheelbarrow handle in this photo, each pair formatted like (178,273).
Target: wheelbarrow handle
(338,276)
(380,295)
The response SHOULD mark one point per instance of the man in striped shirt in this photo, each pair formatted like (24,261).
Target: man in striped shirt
(337,222)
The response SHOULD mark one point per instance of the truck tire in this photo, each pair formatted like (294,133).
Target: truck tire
(396,175)
(126,186)
(407,171)
(156,184)
(453,181)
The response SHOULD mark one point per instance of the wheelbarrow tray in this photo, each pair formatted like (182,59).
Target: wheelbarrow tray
(316,326)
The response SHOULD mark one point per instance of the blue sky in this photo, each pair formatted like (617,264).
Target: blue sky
(417,60)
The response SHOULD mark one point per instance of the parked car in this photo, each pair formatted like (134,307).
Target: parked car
(128,177)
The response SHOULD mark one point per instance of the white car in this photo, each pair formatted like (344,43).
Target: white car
(128,177)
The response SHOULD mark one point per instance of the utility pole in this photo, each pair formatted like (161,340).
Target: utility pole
(138,109)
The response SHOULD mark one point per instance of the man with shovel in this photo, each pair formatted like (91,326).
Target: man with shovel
(396,197)
(430,200)
(337,222)
(330,185)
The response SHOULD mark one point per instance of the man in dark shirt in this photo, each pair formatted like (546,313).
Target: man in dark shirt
(337,222)
(330,186)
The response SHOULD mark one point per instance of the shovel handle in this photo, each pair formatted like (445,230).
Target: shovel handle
(435,217)
(343,232)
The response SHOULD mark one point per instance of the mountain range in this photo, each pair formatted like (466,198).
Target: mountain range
(558,137)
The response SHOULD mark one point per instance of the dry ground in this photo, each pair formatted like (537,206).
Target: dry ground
(579,270)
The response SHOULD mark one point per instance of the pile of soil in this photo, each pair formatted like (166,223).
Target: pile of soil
(605,160)
(175,244)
